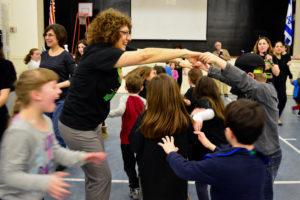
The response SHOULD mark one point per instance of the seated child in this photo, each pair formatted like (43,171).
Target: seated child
(130,107)
(189,99)
(296,95)
(235,171)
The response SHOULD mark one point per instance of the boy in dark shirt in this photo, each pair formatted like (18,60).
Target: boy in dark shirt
(235,171)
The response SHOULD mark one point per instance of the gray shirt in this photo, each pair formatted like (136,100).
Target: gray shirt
(263,93)
(28,157)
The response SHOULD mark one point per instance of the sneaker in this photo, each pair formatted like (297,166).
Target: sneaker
(135,193)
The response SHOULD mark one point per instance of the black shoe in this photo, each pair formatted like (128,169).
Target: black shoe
(60,168)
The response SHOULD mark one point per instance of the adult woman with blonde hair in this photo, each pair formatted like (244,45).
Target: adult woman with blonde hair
(263,47)
(165,115)
(95,82)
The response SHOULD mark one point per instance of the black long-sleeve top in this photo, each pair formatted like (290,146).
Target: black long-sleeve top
(280,80)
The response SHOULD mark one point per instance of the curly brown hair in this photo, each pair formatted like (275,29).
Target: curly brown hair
(269,51)
(106,25)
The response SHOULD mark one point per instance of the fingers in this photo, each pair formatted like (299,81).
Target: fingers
(61,174)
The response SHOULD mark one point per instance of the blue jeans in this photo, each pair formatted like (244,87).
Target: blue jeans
(202,191)
(272,169)
(54,116)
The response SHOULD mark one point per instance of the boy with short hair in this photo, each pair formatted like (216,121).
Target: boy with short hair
(235,171)
(130,107)
(189,99)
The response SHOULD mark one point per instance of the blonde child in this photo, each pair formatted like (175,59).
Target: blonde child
(29,149)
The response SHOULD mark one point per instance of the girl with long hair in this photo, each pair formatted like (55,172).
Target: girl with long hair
(32,59)
(81,44)
(29,150)
(165,115)
(208,98)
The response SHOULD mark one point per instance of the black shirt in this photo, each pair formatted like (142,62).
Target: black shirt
(190,96)
(62,64)
(213,129)
(93,85)
(7,79)
(280,81)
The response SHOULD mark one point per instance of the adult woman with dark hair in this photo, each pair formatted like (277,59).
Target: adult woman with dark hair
(165,115)
(7,78)
(280,81)
(94,84)
(81,44)
(60,61)
(263,47)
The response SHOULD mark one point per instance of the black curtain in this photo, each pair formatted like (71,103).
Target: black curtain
(237,24)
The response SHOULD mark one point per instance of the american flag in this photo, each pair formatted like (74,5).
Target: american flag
(52,12)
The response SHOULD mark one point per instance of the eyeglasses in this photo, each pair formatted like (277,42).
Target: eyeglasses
(49,35)
(127,33)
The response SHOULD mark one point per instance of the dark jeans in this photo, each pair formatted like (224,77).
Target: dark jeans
(202,191)
(54,116)
(272,169)
(129,161)
(281,94)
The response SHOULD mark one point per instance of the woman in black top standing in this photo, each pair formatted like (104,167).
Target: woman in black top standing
(263,47)
(7,78)
(94,84)
(61,62)
(280,81)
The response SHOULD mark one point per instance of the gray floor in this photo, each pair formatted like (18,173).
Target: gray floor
(287,185)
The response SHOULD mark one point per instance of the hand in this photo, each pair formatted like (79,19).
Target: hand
(205,142)
(187,102)
(168,144)
(197,125)
(289,63)
(56,187)
(208,58)
(95,157)
(205,67)
(268,57)
(185,64)
(193,58)
(291,80)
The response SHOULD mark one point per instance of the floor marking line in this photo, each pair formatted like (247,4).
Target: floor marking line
(289,144)
(290,139)
(190,182)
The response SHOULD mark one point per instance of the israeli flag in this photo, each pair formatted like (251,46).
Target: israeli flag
(288,32)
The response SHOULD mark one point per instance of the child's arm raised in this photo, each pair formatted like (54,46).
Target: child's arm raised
(121,108)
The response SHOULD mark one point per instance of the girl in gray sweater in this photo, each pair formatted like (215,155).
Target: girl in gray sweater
(29,150)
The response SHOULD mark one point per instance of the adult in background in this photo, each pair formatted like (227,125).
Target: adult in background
(62,63)
(224,54)
(7,78)
(263,48)
(94,84)
(284,62)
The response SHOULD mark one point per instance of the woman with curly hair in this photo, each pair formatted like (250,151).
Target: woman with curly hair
(95,82)
(263,47)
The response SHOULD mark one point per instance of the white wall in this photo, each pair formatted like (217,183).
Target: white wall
(27,16)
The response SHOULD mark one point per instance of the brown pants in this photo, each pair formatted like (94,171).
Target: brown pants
(97,178)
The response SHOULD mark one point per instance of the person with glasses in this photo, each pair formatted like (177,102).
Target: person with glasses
(63,64)
(94,84)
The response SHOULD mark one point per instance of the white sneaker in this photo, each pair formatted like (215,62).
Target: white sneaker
(135,193)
